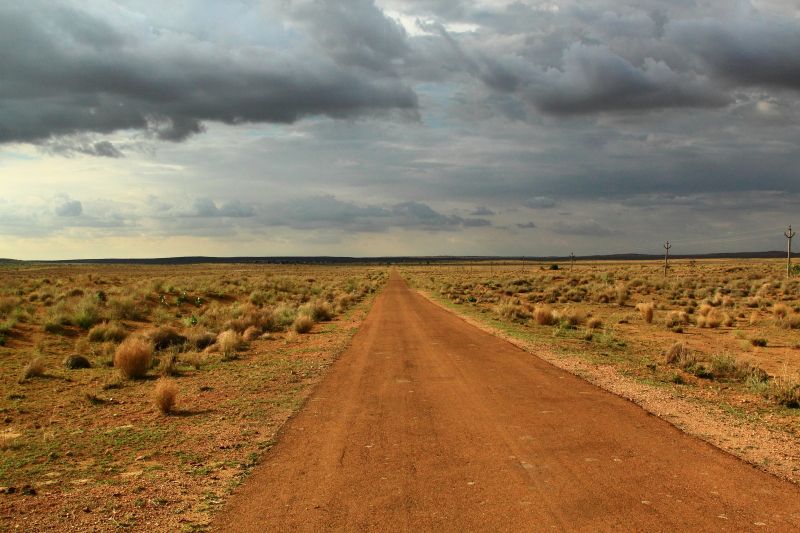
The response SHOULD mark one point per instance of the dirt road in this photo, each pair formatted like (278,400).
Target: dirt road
(427,423)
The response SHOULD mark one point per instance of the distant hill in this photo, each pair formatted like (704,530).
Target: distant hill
(331,260)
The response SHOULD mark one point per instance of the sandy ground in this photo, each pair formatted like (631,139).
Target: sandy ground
(429,423)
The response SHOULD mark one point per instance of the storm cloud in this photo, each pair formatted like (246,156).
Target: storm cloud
(399,126)
(67,71)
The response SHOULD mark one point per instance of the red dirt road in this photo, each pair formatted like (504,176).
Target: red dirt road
(429,424)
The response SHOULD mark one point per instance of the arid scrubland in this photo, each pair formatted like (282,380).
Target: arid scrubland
(135,394)
(725,332)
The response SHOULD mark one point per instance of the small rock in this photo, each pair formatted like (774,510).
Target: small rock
(27,490)
(7,420)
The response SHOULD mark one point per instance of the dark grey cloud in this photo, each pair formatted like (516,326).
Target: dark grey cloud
(595,79)
(755,50)
(69,146)
(482,211)
(354,32)
(66,72)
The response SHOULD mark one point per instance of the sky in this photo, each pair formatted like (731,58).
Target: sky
(135,128)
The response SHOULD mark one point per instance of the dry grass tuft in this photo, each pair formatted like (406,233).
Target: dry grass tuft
(165,395)
(165,337)
(543,315)
(34,369)
(780,311)
(133,357)
(302,324)
(594,323)
(107,332)
(229,341)
(646,309)
(252,333)
(679,354)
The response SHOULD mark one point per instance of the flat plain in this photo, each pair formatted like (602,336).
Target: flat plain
(232,352)
(90,447)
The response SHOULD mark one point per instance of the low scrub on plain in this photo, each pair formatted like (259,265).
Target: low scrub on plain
(165,395)
(34,369)
(646,309)
(302,324)
(107,332)
(133,357)
(229,341)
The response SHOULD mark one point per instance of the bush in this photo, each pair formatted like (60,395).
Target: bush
(34,369)
(133,357)
(201,339)
(86,315)
(784,391)
(165,337)
(75,362)
(106,332)
(302,324)
(165,395)
(680,355)
(646,309)
(594,323)
(229,341)
(125,309)
(543,315)
(319,311)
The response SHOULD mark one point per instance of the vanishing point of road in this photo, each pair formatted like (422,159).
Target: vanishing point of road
(427,423)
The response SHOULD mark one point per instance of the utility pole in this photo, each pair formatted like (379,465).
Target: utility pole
(571,261)
(667,246)
(789,234)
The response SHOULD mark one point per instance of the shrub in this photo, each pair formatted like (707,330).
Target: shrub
(133,357)
(302,324)
(201,339)
(784,391)
(758,342)
(543,315)
(780,310)
(792,321)
(512,311)
(680,355)
(125,309)
(572,316)
(318,311)
(229,341)
(646,309)
(594,323)
(165,337)
(165,394)
(284,315)
(75,362)
(728,367)
(251,333)
(87,314)
(107,332)
(168,365)
(34,369)
(675,318)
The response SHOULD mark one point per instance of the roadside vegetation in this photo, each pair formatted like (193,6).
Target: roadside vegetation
(160,386)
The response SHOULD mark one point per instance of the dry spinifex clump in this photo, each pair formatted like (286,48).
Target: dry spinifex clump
(165,395)
(133,357)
